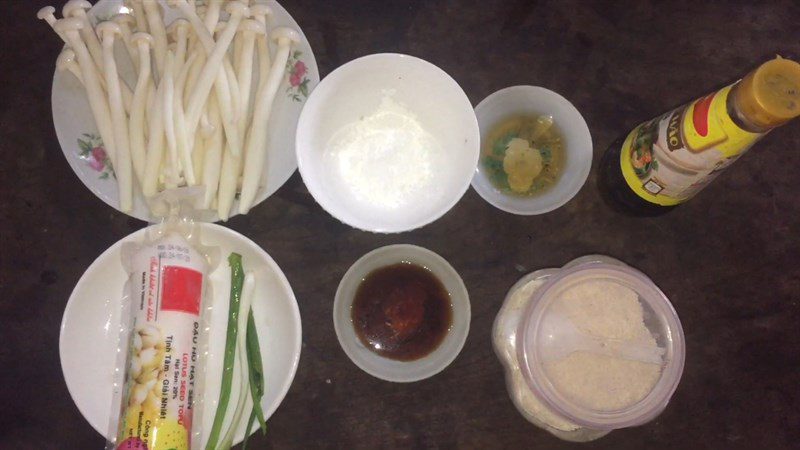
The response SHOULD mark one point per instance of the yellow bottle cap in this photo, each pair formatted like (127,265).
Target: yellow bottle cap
(770,95)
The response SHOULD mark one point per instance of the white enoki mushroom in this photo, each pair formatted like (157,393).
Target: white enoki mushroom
(66,62)
(182,140)
(168,81)
(179,30)
(77,9)
(199,94)
(138,14)
(142,41)
(212,14)
(194,72)
(212,159)
(155,143)
(248,29)
(255,149)
(230,74)
(70,29)
(155,23)
(198,159)
(125,21)
(262,13)
(233,91)
(221,83)
(228,183)
(122,163)
(48,15)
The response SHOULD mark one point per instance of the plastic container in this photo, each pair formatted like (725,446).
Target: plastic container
(531,331)
(534,100)
(389,369)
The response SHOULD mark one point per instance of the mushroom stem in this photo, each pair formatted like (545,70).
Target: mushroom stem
(228,179)
(236,107)
(48,15)
(119,121)
(97,100)
(214,70)
(213,155)
(168,81)
(77,9)
(125,21)
(155,23)
(143,83)
(212,14)
(182,140)
(191,79)
(250,29)
(155,143)
(66,62)
(255,147)
(139,16)
(261,13)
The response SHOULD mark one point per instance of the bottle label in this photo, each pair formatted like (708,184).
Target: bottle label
(669,159)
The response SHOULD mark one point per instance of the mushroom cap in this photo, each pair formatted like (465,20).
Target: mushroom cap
(68,24)
(281,33)
(237,7)
(45,12)
(65,58)
(73,7)
(252,26)
(124,19)
(107,29)
(142,37)
(177,25)
(261,10)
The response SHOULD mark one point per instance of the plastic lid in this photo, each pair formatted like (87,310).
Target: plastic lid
(602,346)
(770,95)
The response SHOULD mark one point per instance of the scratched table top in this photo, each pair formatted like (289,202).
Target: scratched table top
(728,260)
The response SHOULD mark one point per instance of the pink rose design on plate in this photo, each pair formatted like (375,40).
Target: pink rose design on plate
(97,159)
(297,73)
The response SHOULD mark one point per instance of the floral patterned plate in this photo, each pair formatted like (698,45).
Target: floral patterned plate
(84,149)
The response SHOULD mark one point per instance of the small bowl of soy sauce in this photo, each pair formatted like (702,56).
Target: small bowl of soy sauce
(401,313)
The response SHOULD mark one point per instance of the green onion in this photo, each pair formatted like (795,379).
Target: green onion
(256,372)
(237,280)
(244,314)
(247,430)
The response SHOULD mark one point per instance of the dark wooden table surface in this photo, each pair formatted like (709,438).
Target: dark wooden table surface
(728,260)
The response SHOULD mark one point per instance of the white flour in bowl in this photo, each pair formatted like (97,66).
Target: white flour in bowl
(387,160)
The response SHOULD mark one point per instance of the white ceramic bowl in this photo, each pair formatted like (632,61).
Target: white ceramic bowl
(354,91)
(389,369)
(536,100)
(91,322)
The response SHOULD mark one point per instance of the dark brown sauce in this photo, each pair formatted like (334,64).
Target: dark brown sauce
(401,311)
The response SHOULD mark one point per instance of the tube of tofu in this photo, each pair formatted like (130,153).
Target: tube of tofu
(164,323)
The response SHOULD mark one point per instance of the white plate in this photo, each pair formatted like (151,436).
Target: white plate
(90,328)
(73,118)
